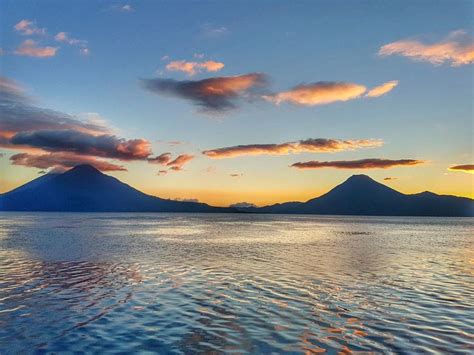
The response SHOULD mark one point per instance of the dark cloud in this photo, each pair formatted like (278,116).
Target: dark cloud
(106,146)
(389,178)
(19,114)
(308,145)
(214,95)
(357,164)
(466,168)
(61,161)
(69,141)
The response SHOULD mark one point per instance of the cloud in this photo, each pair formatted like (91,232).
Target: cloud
(318,145)
(178,163)
(107,146)
(243,205)
(390,178)
(382,89)
(84,51)
(236,175)
(161,159)
(28,28)
(192,68)
(126,8)
(65,38)
(357,164)
(216,95)
(213,31)
(52,139)
(466,168)
(61,161)
(319,93)
(29,48)
(162,172)
(19,114)
(457,49)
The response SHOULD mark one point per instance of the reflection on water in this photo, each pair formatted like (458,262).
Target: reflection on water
(235,283)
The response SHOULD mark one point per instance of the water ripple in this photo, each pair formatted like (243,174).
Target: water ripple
(107,283)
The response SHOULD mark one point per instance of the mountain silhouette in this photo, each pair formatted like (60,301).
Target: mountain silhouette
(361,195)
(86,189)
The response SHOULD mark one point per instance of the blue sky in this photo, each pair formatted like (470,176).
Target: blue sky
(427,116)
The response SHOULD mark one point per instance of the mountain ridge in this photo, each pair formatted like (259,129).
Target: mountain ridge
(86,189)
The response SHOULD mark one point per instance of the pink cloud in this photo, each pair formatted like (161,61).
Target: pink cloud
(30,48)
(457,49)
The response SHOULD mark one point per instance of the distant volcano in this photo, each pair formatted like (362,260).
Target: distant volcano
(86,189)
(361,195)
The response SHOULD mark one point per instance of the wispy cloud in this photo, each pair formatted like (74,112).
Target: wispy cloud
(382,89)
(29,28)
(316,145)
(178,163)
(389,178)
(192,68)
(466,168)
(64,37)
(319,93)
(212,31)
(126,8)
(357,164)
(61,161)
(161,159)
(214,95)
(456,49)
(30,48)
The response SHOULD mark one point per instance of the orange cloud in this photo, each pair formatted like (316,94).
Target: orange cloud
(61,161)
(382,89)
(180,161)
(457,49)
(319,93)
(161,159)
(357,164)
(191,68)
(28,28)
(320,145)
(467,168)
(30,48)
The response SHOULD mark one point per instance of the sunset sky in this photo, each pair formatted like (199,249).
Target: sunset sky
(239,101)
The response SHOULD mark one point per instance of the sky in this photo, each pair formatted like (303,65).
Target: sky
(239,101)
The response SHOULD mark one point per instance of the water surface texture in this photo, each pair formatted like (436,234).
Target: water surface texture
(185,283)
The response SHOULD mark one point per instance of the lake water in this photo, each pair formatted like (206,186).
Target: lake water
(186,283)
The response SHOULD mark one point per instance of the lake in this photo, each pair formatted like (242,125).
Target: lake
(235,283)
